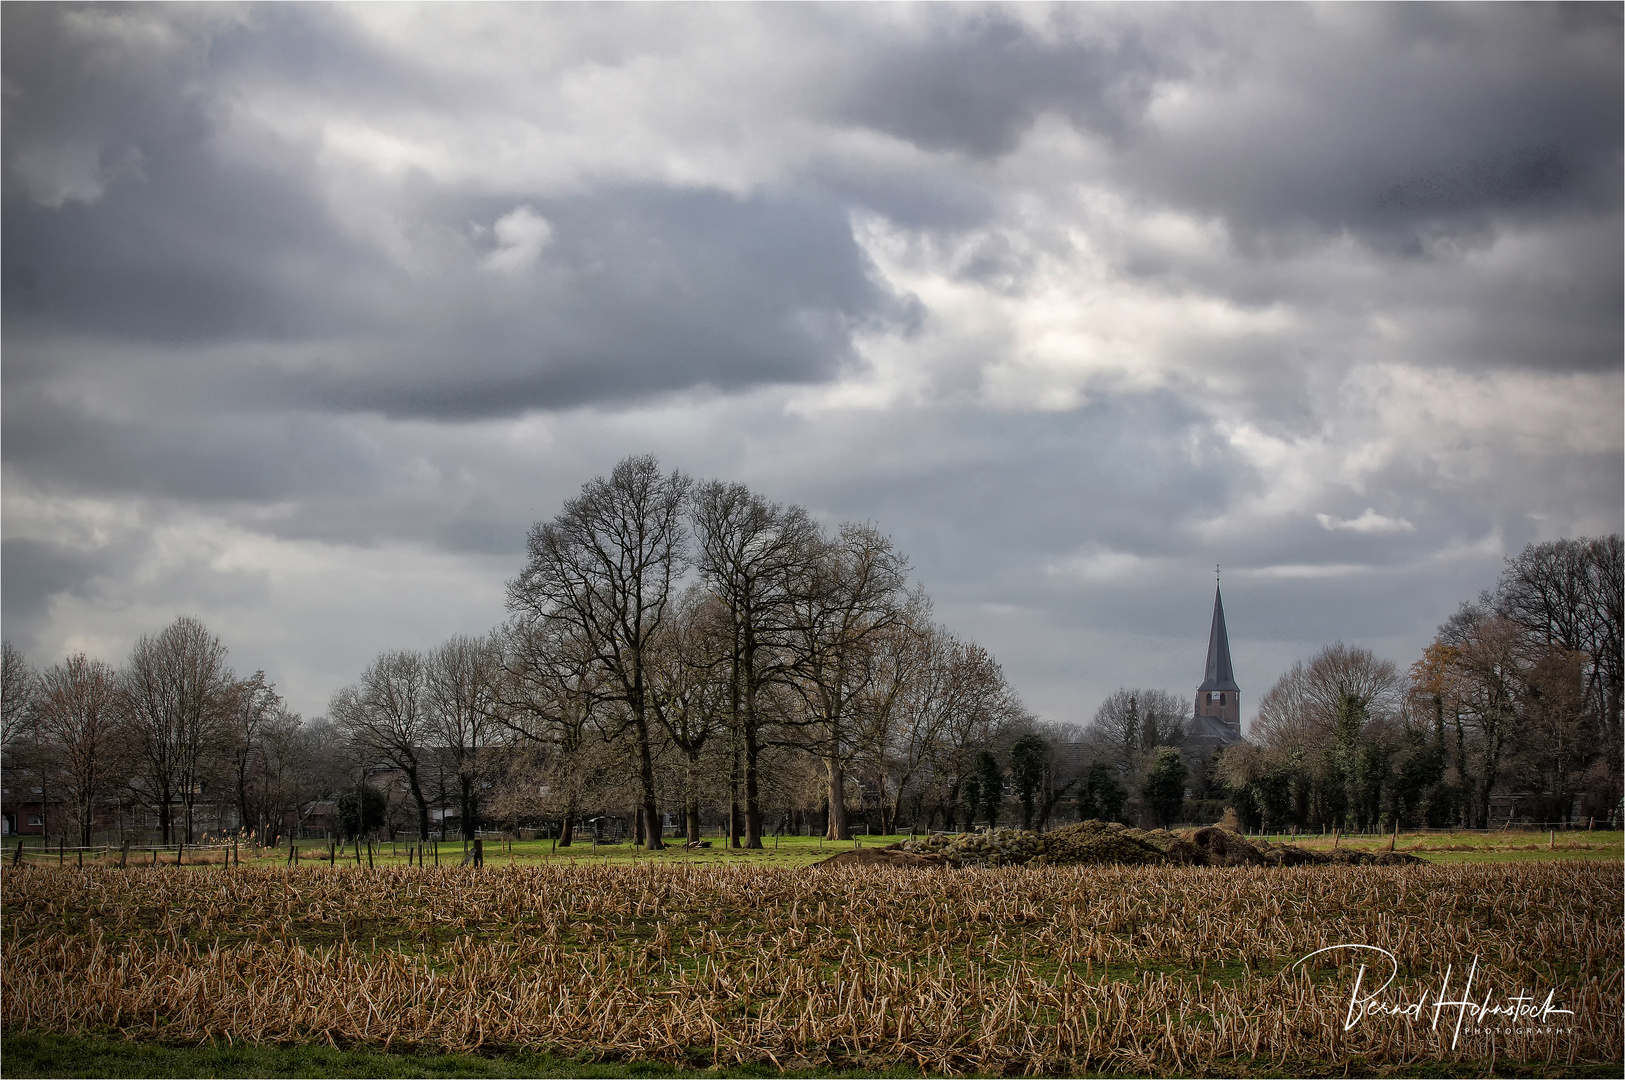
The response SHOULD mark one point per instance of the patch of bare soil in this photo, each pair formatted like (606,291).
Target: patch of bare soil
(1098,843)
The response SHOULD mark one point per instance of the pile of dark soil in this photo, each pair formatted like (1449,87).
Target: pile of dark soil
(1098,843)
(891,855)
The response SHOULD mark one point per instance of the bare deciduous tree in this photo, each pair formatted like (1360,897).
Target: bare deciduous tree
(854,593)
(606,567)
(549,696)
(1489,671)
(177,690)
(385,715)
(753,554)
(1566,595)
(1131,723)
(692,674)
(461,682)
(252,706)
(18,693)
(80,736)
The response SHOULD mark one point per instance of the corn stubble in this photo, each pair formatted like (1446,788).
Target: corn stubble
(1043,969)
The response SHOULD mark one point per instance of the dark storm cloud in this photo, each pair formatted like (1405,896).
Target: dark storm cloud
(1383,119)
(205,454)
(35,572)
(976,79)
(1426,132)
(1391,119)
(639,290)
(122,217)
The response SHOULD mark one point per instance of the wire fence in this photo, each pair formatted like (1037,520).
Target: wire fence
(230,851)
(61,854)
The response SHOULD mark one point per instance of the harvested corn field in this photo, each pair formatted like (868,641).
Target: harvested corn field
(1154,969)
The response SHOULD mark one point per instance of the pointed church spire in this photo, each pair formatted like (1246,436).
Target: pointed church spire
(1219,674)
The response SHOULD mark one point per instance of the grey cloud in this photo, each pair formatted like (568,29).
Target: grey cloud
(35,572)
(639,292)
(179,452)
(1389,119)
(194,327)
(955,483)
(978,78)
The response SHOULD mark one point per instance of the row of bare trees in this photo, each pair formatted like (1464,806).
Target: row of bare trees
(688,644)
(173,726)
(1517,697)
(671,645)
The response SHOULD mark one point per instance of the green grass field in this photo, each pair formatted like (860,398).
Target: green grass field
(1511,846)
(103,1056)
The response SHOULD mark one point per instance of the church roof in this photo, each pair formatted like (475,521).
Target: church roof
(1213,730)
(1219,674)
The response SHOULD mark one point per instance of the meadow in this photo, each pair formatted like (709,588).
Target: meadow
(750,961)
(799,851)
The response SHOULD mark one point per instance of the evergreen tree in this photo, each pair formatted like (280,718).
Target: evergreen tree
(990,782)
(1029,760)
(1164,785)
(1103,794)
(361,810)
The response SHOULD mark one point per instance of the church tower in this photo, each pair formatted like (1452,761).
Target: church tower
(1219,696)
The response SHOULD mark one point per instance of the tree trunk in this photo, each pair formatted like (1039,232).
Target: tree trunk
(748,727)
(465,805)
(837,829)
(422,804)
(567,828)
(646,774)
(735,824)
(753,802)
(691,803)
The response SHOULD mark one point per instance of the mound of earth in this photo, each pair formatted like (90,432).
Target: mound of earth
(890,855)
(1098,843)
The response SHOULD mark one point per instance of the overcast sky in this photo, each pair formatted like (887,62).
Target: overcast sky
(310,311)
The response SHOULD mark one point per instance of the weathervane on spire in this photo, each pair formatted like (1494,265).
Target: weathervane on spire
(1215,573)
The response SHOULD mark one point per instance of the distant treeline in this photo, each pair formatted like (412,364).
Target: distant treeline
(1513,712)
(685,656)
